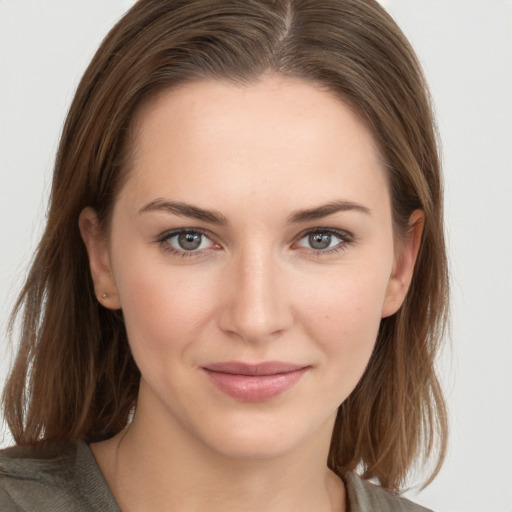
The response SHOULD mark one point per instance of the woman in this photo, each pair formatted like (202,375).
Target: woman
(242,285)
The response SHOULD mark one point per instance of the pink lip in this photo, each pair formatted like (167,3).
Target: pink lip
(254,382)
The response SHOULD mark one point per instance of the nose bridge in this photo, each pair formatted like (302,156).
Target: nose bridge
(257,307)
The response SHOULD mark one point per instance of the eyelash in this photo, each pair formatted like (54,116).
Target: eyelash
(345,238)
(163,241)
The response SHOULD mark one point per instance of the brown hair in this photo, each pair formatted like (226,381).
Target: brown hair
(74,376)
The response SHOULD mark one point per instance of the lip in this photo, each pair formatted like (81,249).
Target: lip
(254,382)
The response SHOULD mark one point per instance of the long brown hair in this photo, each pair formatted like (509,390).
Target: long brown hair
(74,376)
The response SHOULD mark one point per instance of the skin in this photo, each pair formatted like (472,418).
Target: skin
(254,291)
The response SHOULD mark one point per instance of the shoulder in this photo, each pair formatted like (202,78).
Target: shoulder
(29,475)
(53,476)
(29,461)
(363,496)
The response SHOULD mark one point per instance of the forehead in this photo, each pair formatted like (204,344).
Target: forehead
(272,135)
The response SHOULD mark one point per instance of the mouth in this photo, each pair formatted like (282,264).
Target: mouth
(254,382)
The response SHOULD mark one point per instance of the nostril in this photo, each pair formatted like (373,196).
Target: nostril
(255,323)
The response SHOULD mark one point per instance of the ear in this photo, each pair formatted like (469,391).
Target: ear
(99,259)
(403,267)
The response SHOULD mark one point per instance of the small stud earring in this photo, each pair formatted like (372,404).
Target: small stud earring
(104,295)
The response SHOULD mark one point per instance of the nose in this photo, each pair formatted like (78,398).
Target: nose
(256,305)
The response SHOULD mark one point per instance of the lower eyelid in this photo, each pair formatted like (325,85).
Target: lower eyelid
(342,246)
(182,253)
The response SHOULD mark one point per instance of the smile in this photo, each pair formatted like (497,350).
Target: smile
(254,383)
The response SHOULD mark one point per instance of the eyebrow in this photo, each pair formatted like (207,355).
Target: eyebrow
(185,210)
(327,209)
(194,212)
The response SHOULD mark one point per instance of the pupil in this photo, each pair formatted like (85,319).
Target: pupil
(319,240)
(189,241)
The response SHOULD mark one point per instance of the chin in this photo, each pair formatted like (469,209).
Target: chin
(253,447)
(264,436)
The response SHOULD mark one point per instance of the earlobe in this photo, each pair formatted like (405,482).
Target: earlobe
(403,268)
(99,259)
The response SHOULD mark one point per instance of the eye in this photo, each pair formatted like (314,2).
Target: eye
(186,241)
(324,240)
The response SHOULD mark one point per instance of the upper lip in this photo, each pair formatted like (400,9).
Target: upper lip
(265,368)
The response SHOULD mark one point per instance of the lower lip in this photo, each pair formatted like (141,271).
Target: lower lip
(254,388)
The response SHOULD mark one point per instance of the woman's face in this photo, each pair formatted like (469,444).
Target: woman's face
(252,254)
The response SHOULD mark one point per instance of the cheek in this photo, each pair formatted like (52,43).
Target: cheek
(346,303)
(164,308)
(344,320)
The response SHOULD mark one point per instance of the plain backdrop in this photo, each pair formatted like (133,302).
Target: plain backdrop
(466,49)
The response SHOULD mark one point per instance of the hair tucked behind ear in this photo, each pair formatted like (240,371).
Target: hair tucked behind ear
(74,377)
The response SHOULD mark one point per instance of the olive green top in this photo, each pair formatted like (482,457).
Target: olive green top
(64,477)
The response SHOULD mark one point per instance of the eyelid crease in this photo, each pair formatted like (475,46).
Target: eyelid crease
(174,232)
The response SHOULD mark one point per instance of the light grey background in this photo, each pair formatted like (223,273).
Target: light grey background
(466,49)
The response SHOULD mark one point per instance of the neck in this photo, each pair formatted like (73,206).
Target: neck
(152,464)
